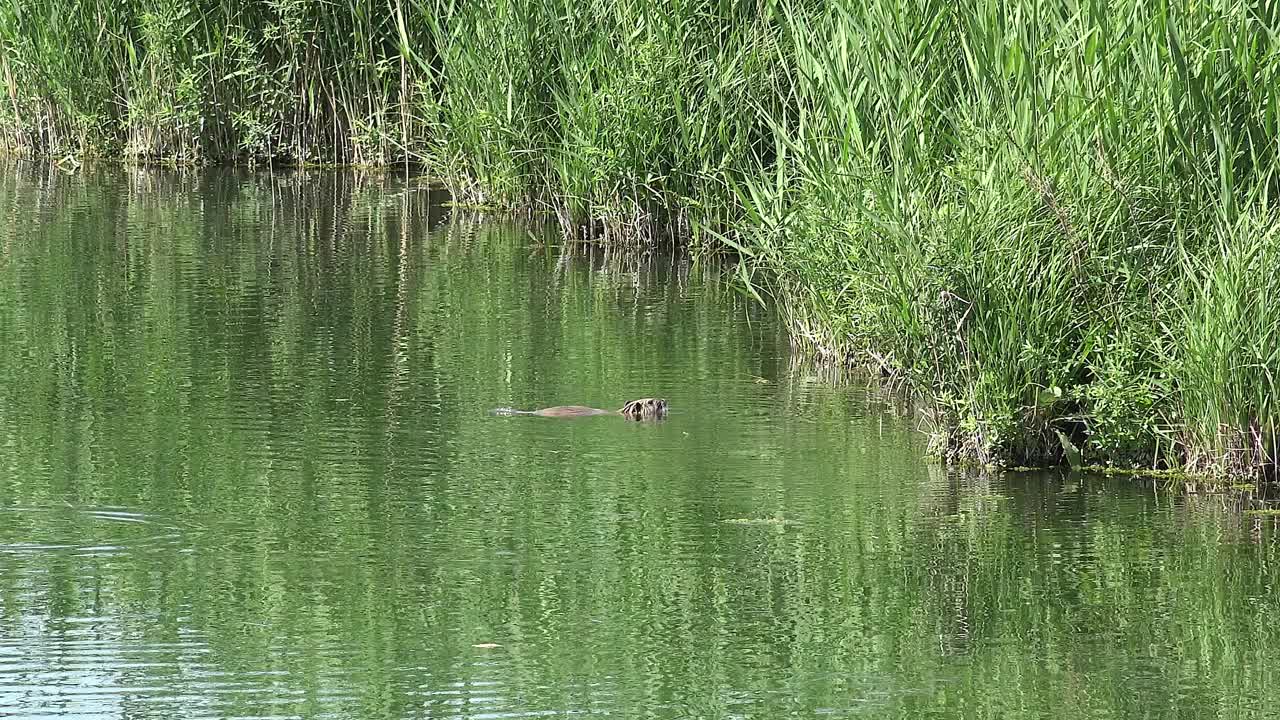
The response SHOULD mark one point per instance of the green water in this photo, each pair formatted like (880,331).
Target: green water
(247,470)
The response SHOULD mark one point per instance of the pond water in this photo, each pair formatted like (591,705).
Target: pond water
(248,470)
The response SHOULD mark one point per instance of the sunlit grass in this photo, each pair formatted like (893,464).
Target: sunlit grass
(1047,217)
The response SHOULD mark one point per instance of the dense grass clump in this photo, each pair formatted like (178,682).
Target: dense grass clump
(1053,220)
(194,80)
(630,114)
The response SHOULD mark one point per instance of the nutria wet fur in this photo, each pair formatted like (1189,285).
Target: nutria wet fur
(645,409)
(642,409)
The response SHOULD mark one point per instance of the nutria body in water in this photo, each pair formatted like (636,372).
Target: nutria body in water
(642,409)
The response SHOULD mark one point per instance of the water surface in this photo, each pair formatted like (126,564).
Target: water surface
(247,470)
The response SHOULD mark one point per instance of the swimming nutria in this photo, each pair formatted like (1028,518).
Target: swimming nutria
(642,409)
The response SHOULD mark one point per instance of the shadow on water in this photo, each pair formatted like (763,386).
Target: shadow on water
(247,469)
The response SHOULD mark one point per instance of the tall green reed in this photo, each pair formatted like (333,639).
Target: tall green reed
(191,80)
(994,202)
(627,116)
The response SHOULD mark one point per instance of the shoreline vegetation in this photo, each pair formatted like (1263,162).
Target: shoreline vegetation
(1052,221)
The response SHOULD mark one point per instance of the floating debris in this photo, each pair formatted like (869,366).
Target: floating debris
(760,521)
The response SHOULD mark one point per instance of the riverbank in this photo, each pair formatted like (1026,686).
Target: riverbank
(1052,222)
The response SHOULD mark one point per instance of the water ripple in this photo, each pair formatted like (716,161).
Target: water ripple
(85,531)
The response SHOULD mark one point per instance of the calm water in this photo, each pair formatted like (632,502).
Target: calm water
(247,471)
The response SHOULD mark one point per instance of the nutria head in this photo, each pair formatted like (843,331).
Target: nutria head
(645,409)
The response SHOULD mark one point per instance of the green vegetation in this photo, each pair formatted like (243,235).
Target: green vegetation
(1046,217)
(1050,219)
(632,113)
